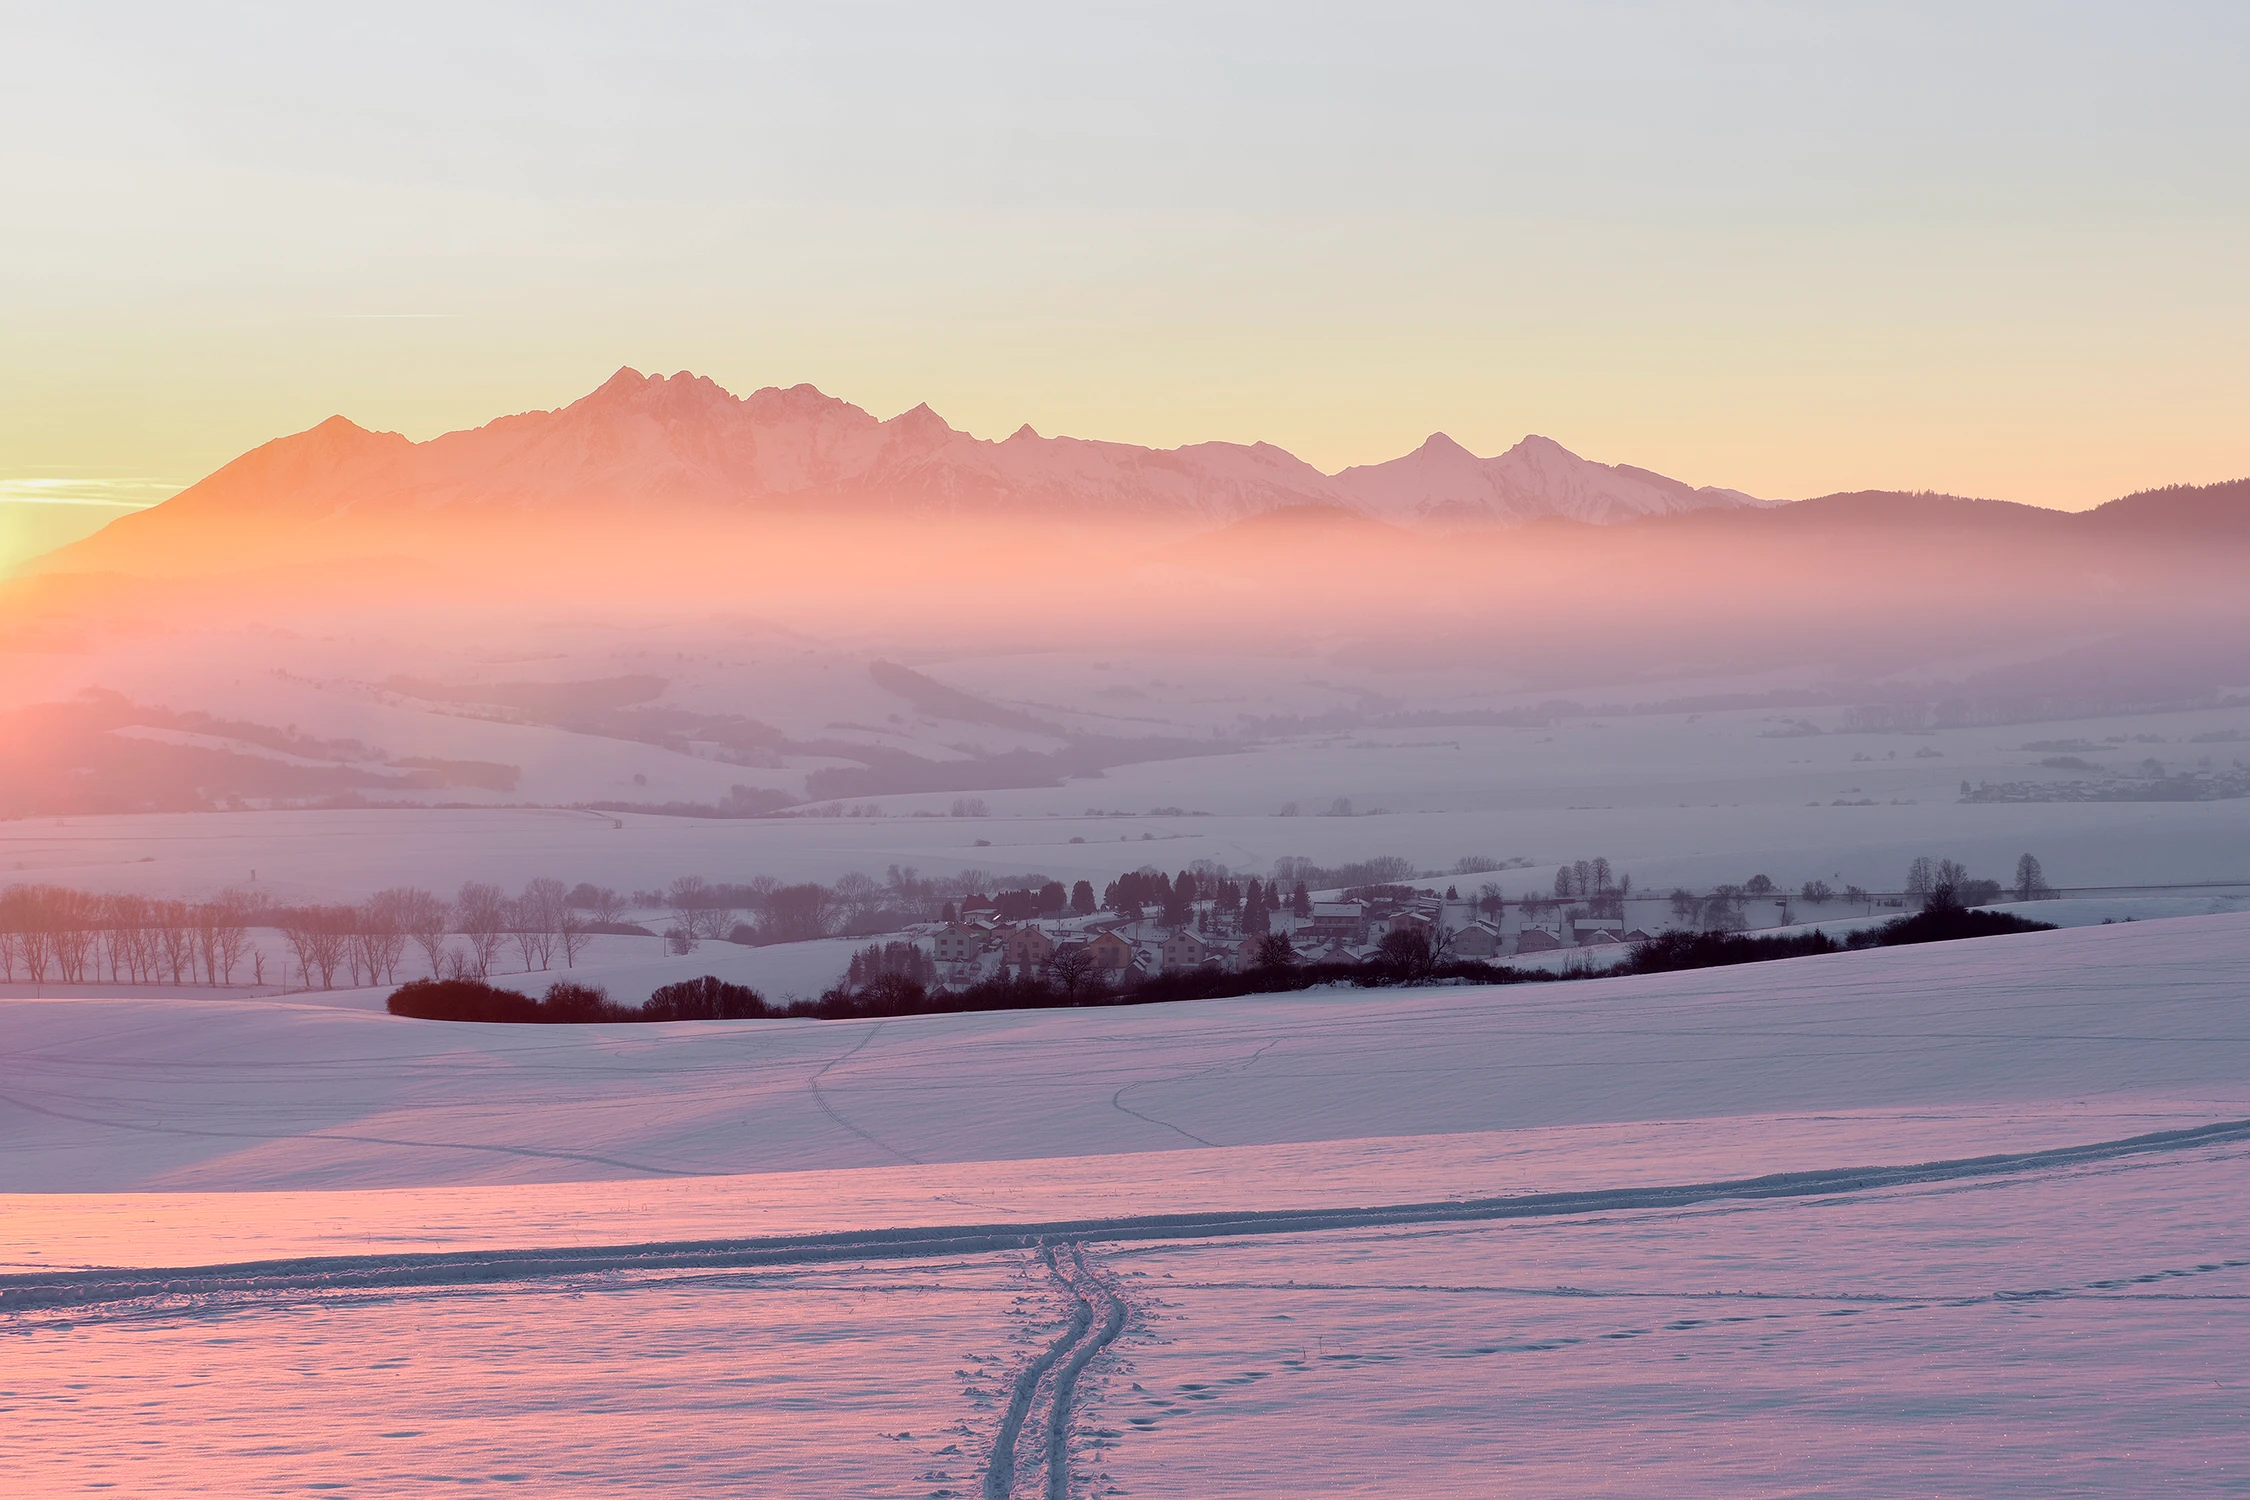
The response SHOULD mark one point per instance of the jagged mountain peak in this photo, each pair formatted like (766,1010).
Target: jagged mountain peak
(920,419)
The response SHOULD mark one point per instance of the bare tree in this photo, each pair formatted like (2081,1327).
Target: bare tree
(1723,911)
(1407,954)
(118,937)
(27,925)
(539,915)
(225,934)
(699,908)
(332,940)
(858,895)
(422,916)
(300,930)
(688,896)
(73,916)
(573,936)
(2031,881)
(176,937)
(601,904)
(795,913)
(521,933)
(207,917)
(1070,968)
(40,915)
(381,934)
(480,910)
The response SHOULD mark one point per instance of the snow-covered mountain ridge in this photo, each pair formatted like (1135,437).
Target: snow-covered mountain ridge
(647,443)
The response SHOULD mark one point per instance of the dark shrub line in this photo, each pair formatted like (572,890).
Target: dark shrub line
(711,999)
(1942,921)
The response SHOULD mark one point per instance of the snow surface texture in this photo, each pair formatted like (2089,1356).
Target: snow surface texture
(228,1094)
(1507,1244)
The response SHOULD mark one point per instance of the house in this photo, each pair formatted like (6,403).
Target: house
(1184,950)
(957,943)
(1330,951)
(1588,932)
(1338,919)
(1027,946)
(1477,940)
(1111,952)
(1537,940)
(1639,936)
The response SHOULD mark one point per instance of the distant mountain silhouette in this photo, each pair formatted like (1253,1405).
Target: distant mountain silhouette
(646,446)
(669,492)
(1441,481)
(2181,509)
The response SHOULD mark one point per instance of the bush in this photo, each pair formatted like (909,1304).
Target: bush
(1710,950)
(572,1004)
(1945,921)
(461,1000)
(707,999)
(568,1003)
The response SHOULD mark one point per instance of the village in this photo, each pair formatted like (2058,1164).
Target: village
(1122,941)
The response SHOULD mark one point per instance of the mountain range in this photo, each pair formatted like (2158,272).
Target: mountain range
(667,489)
(642,445)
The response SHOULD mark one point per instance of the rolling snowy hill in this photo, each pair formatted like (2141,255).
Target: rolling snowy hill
(1900,1214)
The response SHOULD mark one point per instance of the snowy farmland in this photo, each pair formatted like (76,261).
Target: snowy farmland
(1900,1219)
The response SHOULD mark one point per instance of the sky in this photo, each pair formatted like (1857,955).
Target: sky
(1989,248)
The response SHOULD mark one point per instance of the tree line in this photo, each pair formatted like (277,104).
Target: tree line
(887,980)
(54,932)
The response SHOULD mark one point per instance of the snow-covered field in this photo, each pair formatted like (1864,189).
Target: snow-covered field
(1674,799)
(320,855)
(1510,1247)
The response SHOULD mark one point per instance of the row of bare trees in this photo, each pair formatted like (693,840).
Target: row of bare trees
(77,937)
(366,943)
(51,932)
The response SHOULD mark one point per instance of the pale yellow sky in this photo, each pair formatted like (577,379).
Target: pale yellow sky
(1997,252)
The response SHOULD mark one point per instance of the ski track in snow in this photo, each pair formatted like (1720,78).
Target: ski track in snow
(537,1153)
(1089,1289)
(1051,1378)
(1117,1100)
(1000,1469)
(1400,1290)
(828,1109)
(1028,1449)
(94,1289)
